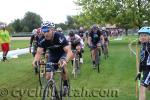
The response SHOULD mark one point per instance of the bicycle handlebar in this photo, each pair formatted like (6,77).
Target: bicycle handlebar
(49,63)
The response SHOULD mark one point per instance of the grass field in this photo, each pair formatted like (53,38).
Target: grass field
(117,74)
(19,44)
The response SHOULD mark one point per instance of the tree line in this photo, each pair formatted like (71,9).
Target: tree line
(125,14)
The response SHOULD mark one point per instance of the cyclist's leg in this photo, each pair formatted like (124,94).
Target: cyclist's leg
(65,78)
(142,95)
(107,47)
(99,48)
(78,48)
(93,50)
(73,48)
(64,75)
(145,82)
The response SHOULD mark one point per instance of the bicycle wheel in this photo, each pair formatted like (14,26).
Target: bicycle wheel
(97,60)
(77,64)
(74,68)
(105,51)
(42,77)
(61,88)
(50,92)
(46,92)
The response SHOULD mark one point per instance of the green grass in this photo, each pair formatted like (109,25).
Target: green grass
(117,73)
(19,44)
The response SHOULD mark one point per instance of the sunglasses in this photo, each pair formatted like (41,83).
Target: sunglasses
(45,30)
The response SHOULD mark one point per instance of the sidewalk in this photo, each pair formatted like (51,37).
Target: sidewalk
(15,53)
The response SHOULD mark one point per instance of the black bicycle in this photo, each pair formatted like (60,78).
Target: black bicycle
(41,73)
(51,92)
(76,64)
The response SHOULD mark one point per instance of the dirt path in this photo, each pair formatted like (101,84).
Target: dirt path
(20,38)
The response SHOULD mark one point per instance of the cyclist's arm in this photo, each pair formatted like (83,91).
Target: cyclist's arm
(68,50)
(89,40)
(102,39)
(31,40)
(38,54)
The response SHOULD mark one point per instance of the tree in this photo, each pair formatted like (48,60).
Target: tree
(17,25)
(31,21)
(62,25)
(70,22)
(123,13)
(27,24)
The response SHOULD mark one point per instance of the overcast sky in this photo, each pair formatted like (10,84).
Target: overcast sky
(52,10)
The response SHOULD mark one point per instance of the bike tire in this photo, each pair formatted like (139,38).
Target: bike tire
(50,96)
(61,88)
(97,61)
(41,75)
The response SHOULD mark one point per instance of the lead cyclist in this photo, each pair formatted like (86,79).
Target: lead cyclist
(59,51)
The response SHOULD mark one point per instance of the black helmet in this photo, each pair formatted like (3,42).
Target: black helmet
(71,33)
(94,27)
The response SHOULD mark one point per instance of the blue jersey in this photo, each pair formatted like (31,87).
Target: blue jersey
(55,46)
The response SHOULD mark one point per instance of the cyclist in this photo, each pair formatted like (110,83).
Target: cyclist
(5,41)
(95,40)
(81,33)
(106,40)
(144,66)
(76,43)
(35,39)
(59,51)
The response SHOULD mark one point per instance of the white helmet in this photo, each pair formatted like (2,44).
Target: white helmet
(59,29)
(34,31)
(103,28)
(81,28)
(47,24)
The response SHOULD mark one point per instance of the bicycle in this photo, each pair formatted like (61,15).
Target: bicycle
(41,73)
(76,64)
(51,88)
(97,58)
(105,50)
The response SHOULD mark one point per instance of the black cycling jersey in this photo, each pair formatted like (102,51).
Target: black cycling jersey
(145,57)
(35,40)
(55,47)
(95,37)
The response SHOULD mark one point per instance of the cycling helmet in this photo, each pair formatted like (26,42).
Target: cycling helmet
(46,25)
(71,33)
(145,30)
(34,31)
(59,29)
(94,26)
(103,28)
(81,28)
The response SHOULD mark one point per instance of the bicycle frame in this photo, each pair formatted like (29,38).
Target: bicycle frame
(76,63)
(51,83)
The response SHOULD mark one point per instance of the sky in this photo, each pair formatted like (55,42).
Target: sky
(49,10)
